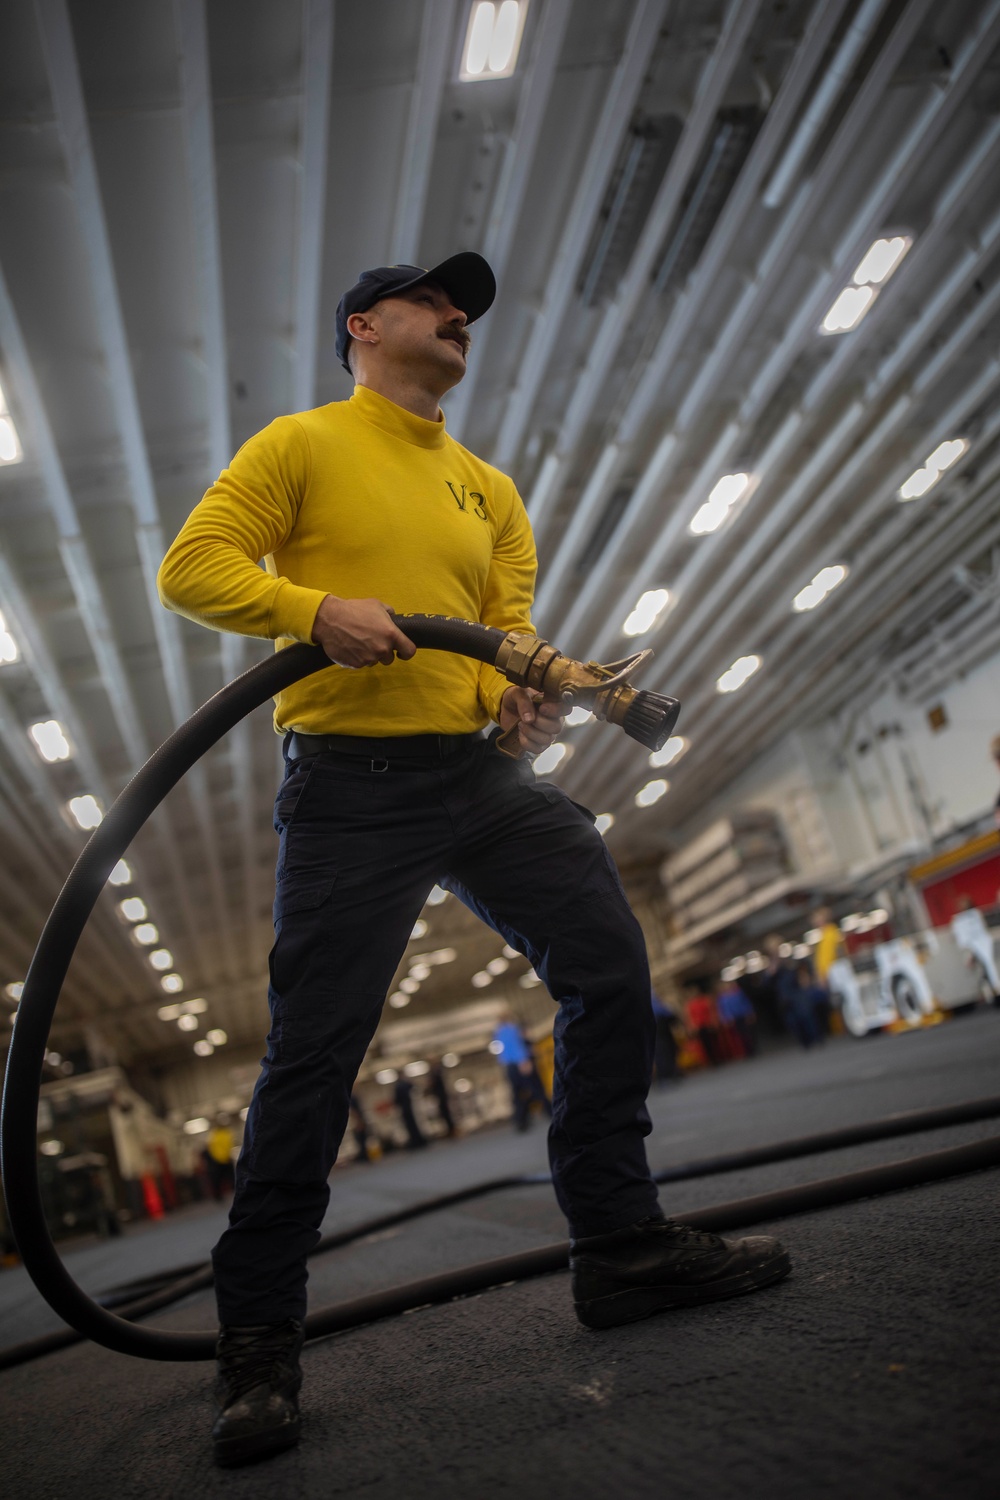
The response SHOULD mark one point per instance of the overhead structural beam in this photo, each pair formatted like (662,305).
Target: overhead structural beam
(619,105)
(317,71)
(512,184)
(196,117)
(74,131)
(436,33)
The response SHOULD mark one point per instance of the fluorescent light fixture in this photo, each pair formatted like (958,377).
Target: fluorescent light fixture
(672,750)
(579,715)
(203,1047)
(10,447)
(722,498)
(121,874)
(52,1148)
(944,456)
(14,991)
(822,584)
(462,1086)
(409,986)
(169,1012)
(420,972)
(437,895)
(651,792)
(147,933)
(549,759)
(529,980)
(416,1069)
(646,611)
(419,929)
(495,1047)
(493,40)
(50,739)
(509,952)
(498,966)
(187,1023)
(604,822)
(398,1000)
(876,266)
(217,1036)
(812,936)
(386,1075)
(450,1060)
(134,909)
(481,980)
(801,951)
(86,811)
(172,983)
(735,676)
(435,957)
(196,1007)
(196,1126)
(848,310)
(880,260)
(8,645)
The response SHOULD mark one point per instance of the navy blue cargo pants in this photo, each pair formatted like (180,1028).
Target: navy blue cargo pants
(363,838)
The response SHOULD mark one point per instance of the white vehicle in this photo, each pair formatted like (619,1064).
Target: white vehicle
(980,947)
(904,980)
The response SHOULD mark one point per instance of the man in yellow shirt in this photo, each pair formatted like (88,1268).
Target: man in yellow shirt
(392,785)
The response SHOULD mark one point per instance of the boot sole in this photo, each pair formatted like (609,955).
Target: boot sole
(631,1305)
(248,1447)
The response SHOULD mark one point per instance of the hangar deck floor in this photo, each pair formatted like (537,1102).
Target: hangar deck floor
(873,1372)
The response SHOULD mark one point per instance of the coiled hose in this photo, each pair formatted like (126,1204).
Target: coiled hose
(47,973)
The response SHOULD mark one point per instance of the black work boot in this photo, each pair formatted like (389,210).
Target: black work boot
(657,1264)
(257,1391)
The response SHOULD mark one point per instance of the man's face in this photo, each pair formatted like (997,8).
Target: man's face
(422,327)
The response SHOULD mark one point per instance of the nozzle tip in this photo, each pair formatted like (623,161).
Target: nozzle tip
(650,719)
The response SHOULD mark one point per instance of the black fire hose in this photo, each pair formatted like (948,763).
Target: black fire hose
(48,971)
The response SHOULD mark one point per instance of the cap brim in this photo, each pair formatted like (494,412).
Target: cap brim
(468,280)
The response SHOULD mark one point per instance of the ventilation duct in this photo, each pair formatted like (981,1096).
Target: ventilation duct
(644,158)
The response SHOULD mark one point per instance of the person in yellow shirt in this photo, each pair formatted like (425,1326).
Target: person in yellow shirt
(219,1158)
(392,784)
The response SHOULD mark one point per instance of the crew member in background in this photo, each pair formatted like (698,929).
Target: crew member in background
(437,1088)
(513,1053)
(392,787)
(219,1158)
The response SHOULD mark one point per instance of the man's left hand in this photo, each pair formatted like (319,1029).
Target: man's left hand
(539,720)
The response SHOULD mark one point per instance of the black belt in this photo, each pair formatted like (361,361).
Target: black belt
(382,749)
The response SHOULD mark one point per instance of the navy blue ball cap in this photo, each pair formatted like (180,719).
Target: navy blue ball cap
(465,277)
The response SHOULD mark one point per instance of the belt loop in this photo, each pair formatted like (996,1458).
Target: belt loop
(380,765)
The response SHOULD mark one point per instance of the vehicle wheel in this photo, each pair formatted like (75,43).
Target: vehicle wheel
(907,1000)
(853,1016)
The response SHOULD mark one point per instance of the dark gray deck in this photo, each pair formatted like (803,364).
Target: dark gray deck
(873,1372)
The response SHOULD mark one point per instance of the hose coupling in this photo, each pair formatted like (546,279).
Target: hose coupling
(529,662)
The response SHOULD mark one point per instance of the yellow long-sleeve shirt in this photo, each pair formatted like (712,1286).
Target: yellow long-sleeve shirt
(360,499)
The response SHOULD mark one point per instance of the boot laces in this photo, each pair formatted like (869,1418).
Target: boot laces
(695,1239)
(249,1360)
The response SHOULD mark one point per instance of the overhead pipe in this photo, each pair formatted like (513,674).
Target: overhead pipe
(853,43)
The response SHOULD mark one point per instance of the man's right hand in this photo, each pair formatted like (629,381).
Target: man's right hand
(359,633)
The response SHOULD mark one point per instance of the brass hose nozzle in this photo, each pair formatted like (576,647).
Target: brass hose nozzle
(529,662)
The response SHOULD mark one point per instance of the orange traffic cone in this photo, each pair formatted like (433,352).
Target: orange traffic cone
(151,1200)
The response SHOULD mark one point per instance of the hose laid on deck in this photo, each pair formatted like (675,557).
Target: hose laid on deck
(48,971)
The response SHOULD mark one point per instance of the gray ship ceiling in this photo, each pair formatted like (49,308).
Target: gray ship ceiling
(674,194)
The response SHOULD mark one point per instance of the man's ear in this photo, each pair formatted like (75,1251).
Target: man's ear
(363,328)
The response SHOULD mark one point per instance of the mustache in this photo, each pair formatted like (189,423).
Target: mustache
(456,334)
